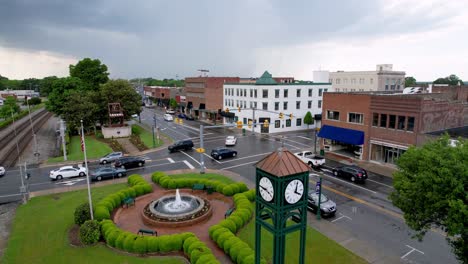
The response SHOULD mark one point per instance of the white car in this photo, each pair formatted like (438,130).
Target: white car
(231,141)
(168,117)
(67,172)
(170,111)
(2,171)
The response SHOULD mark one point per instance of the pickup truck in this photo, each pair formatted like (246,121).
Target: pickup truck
(310,158)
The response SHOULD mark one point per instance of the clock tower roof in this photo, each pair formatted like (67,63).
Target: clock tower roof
(282,163)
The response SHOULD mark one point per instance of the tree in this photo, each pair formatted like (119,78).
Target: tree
(45,86)
(410,81)
(308,119)
(173,103)
(91,72)
(431,186)
(60,89)
(450,80)
(79,105)
(119,91)
(9,107)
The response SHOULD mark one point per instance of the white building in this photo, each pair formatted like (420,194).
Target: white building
(269,99)
(384,78)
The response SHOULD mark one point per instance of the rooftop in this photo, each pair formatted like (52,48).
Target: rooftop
(452,132)
(282,163)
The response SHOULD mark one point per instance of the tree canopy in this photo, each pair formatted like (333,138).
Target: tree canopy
(156,82)
(173,103)
(91,72)
(9,107)
(120,91)
(431,187)
(451,80)
(410,81)
(308,119)
(60,91)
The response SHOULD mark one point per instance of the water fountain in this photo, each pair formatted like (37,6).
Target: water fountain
(176,210)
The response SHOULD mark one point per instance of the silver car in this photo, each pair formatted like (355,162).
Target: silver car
(327,206)
(111,157)
(2,171)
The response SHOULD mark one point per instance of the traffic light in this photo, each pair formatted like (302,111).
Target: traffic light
(239,124)
(250,124)
(291,116)
(266,123)
(239,109)
(281,115)
(227,110)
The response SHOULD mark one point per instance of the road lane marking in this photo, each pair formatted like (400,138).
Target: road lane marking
(389,186)
(243,164)
(350,184)
(190,157)
(189,165)
(292,146)
(341,217)
(411,251)
(170,160)
(305,137)
(213,159)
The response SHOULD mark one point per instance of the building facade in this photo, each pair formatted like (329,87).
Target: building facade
(384,78)
(266,99)
(161,95)
(382,126)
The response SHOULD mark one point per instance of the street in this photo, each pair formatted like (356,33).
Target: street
(363,210)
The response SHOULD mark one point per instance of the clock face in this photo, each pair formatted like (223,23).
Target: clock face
(266,189)
(294,191)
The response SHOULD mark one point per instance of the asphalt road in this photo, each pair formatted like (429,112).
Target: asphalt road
(364,210)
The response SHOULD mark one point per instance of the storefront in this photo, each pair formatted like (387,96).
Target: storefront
(343,141)
(385,152)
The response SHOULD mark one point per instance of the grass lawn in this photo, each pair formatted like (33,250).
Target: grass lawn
(94,149)
(209,176)
(40,233)
(147,137)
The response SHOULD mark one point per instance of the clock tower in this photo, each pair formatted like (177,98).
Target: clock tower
(282,181)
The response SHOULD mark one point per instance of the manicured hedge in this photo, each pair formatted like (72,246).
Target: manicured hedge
(138,186)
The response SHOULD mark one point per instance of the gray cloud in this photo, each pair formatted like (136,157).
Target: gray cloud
(165,38)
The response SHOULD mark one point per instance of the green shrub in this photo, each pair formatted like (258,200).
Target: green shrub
(107,203)
(213,228)
(250,259)
(101,213)
(198,252)
(229,224)
(235,188)
(172,184)
(131,192)
(119,242)
(218,232)
(250,195)
(139,190)
(187,242)
(164,182)
(243,253)
(186,235)
(229,242)
(206,259)
(236,248)
(116,199)
(137,130)
(243,187)
(112,238)
(140,245)
(223,238)
(129,242)
(82,213)
(147,188)
(237,221)
(165,244)
(197,244)
(153,244)
(220,187)
(227,190)
(90,232)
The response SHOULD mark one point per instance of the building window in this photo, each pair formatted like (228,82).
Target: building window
(375,119)
(391,121)
(277,123)
(386,87)
(288,122)
(265,106)
(298,104)
(285,93)
(410,123)
(320,92)
(225,102)
(401,122)
(310,92)
(226,92)
(237,92)
(333,115)
(251,93)
(355,118)
(309,104)
(337,81)
(298,93)
(345,80)
(255,104)
(330,81)
(383,120)
(245,92)
(371,80)
(255,93)
(276,106)
(337,89)
(298,122)
(265,93)
(277,91)
(319,103)
(285,105)
(353,81)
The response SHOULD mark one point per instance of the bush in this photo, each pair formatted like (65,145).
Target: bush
(140,245)
(129,242)
(236,248)
(198,252)
(229,242)
(119,242)
(112,238)
(229,224)
(206,259)
(153,244)
(243,253)
(227,190)
(90,232)
(101,213)
(165,244)
(82,213)
(223,238)
(237,220)
(250,195)
(136,130)
(172,184)
(139,190)
(218,232)
(34,101)
(188,242)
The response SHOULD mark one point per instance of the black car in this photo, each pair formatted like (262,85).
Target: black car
(354,173)
(107,173)
(189,117)
(221,153)
(129,162)
(181,145)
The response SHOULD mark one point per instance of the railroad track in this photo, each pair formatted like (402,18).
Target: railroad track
(9,153)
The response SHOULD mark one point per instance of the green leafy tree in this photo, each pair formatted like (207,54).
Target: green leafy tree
(119,91)
(431,187)
(173,103)
(45,86)
(9,106)
(60,90)
(451,80)
(410,81)
(91,72)
(79,105)
(308,119)
(30,84)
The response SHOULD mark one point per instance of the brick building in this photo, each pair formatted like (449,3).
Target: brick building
(381,126)
(161,95)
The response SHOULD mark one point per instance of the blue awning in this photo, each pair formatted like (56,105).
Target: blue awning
(345,135)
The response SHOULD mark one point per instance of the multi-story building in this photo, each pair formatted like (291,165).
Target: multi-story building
(383,125)
(266,99)
(162,94)
(204,95)
(384,78)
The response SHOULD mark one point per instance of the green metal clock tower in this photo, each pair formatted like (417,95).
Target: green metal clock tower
(282,181)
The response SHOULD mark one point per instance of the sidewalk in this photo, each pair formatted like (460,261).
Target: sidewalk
(385,170)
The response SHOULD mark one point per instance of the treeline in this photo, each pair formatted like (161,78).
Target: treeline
(156,82)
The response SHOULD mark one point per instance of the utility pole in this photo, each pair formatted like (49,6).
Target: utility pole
(202,160)
(87,171)
(62,134)
(253,121)
(36,152)
(22,187)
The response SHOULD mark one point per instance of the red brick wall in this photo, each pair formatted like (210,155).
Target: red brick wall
(455,92)
(212,92)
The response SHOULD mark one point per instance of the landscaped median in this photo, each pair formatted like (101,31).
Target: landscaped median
(142,138)
(94,149)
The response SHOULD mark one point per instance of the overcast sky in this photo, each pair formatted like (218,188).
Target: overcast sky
(164,39)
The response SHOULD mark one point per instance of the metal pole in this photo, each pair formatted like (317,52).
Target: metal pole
(319,198)
(22,187)
(253,121)
(202,162)
(154,142)
(62,134)
(33,132)
(315,141)
(87,172)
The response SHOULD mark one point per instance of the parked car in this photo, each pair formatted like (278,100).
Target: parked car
(134,116)
(129,162)
(189,117)
(231,141)
(67,172)
(111,157)
(182,115)
(327,206)
(107,173)
(311,159)
(354,173)
(170,111)
(181,145)
(168,117)
(2,171)
(221,153)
